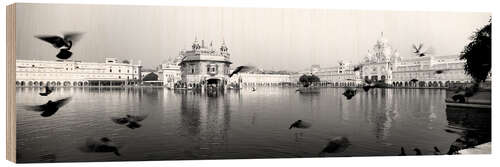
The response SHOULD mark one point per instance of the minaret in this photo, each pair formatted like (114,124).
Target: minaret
(196,45)
(223,49)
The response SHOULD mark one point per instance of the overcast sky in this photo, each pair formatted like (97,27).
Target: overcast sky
(290,39)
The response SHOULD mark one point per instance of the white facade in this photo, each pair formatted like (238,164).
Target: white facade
(74,73)
(171,74)
(205,65)
(383,63)
(260,79)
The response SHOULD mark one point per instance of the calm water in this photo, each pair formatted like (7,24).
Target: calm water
(237,124)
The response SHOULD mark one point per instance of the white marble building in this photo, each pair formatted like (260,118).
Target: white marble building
(76,73)
(171,72)
(249,79)
(383,63)
(204,65)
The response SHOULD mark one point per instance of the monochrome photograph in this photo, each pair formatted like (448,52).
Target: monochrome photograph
(138,83)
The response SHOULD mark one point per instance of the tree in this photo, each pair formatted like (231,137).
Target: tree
(478,54)
(306,80)
(150,77)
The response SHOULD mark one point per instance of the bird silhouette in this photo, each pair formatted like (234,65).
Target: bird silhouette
(102,145)
(241,69)
(419,50)
(63,43)
(417,151)
(368,85)
(349,93)
(336,145)
(436,151)
(300,124)
(458,98)
(403,153)
(50,108)
(48,90)
(131,121)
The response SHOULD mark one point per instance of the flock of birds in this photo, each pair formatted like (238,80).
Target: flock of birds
(341,143)
(460,96)
(349,93)
(334,145)
(102,145)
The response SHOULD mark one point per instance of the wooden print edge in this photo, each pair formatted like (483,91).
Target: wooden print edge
(11,77)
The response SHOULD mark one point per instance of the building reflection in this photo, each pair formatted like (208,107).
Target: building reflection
(190,115)
(384,114)
(207,119)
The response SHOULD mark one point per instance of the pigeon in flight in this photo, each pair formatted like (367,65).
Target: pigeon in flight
(131,121)
(336,145)
(349,93)
(300,124)
(368,85)
(63,43)
(241,69)
(48,90)
(417,151)
(436,151)
(50,108)
(439,71)
(403,153)
(419,50)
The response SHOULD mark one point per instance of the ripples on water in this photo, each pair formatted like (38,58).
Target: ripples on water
(237,124)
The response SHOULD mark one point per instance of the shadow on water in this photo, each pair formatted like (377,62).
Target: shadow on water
(472,125)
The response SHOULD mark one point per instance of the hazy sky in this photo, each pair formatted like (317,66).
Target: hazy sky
(290,39)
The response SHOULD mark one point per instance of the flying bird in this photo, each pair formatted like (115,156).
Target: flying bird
(63,43)
(241,69)
(436,151)
(417,151)
(48,90)
(50,108)
(349,93)
(357,68)
(103,145)
(300,124)
(336,145)
(403,153)
(456,146)
(419,50)
(458,98)
(368,85)
(131,121)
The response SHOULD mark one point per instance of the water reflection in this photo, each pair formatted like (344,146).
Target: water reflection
(473,126)
(236,124)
